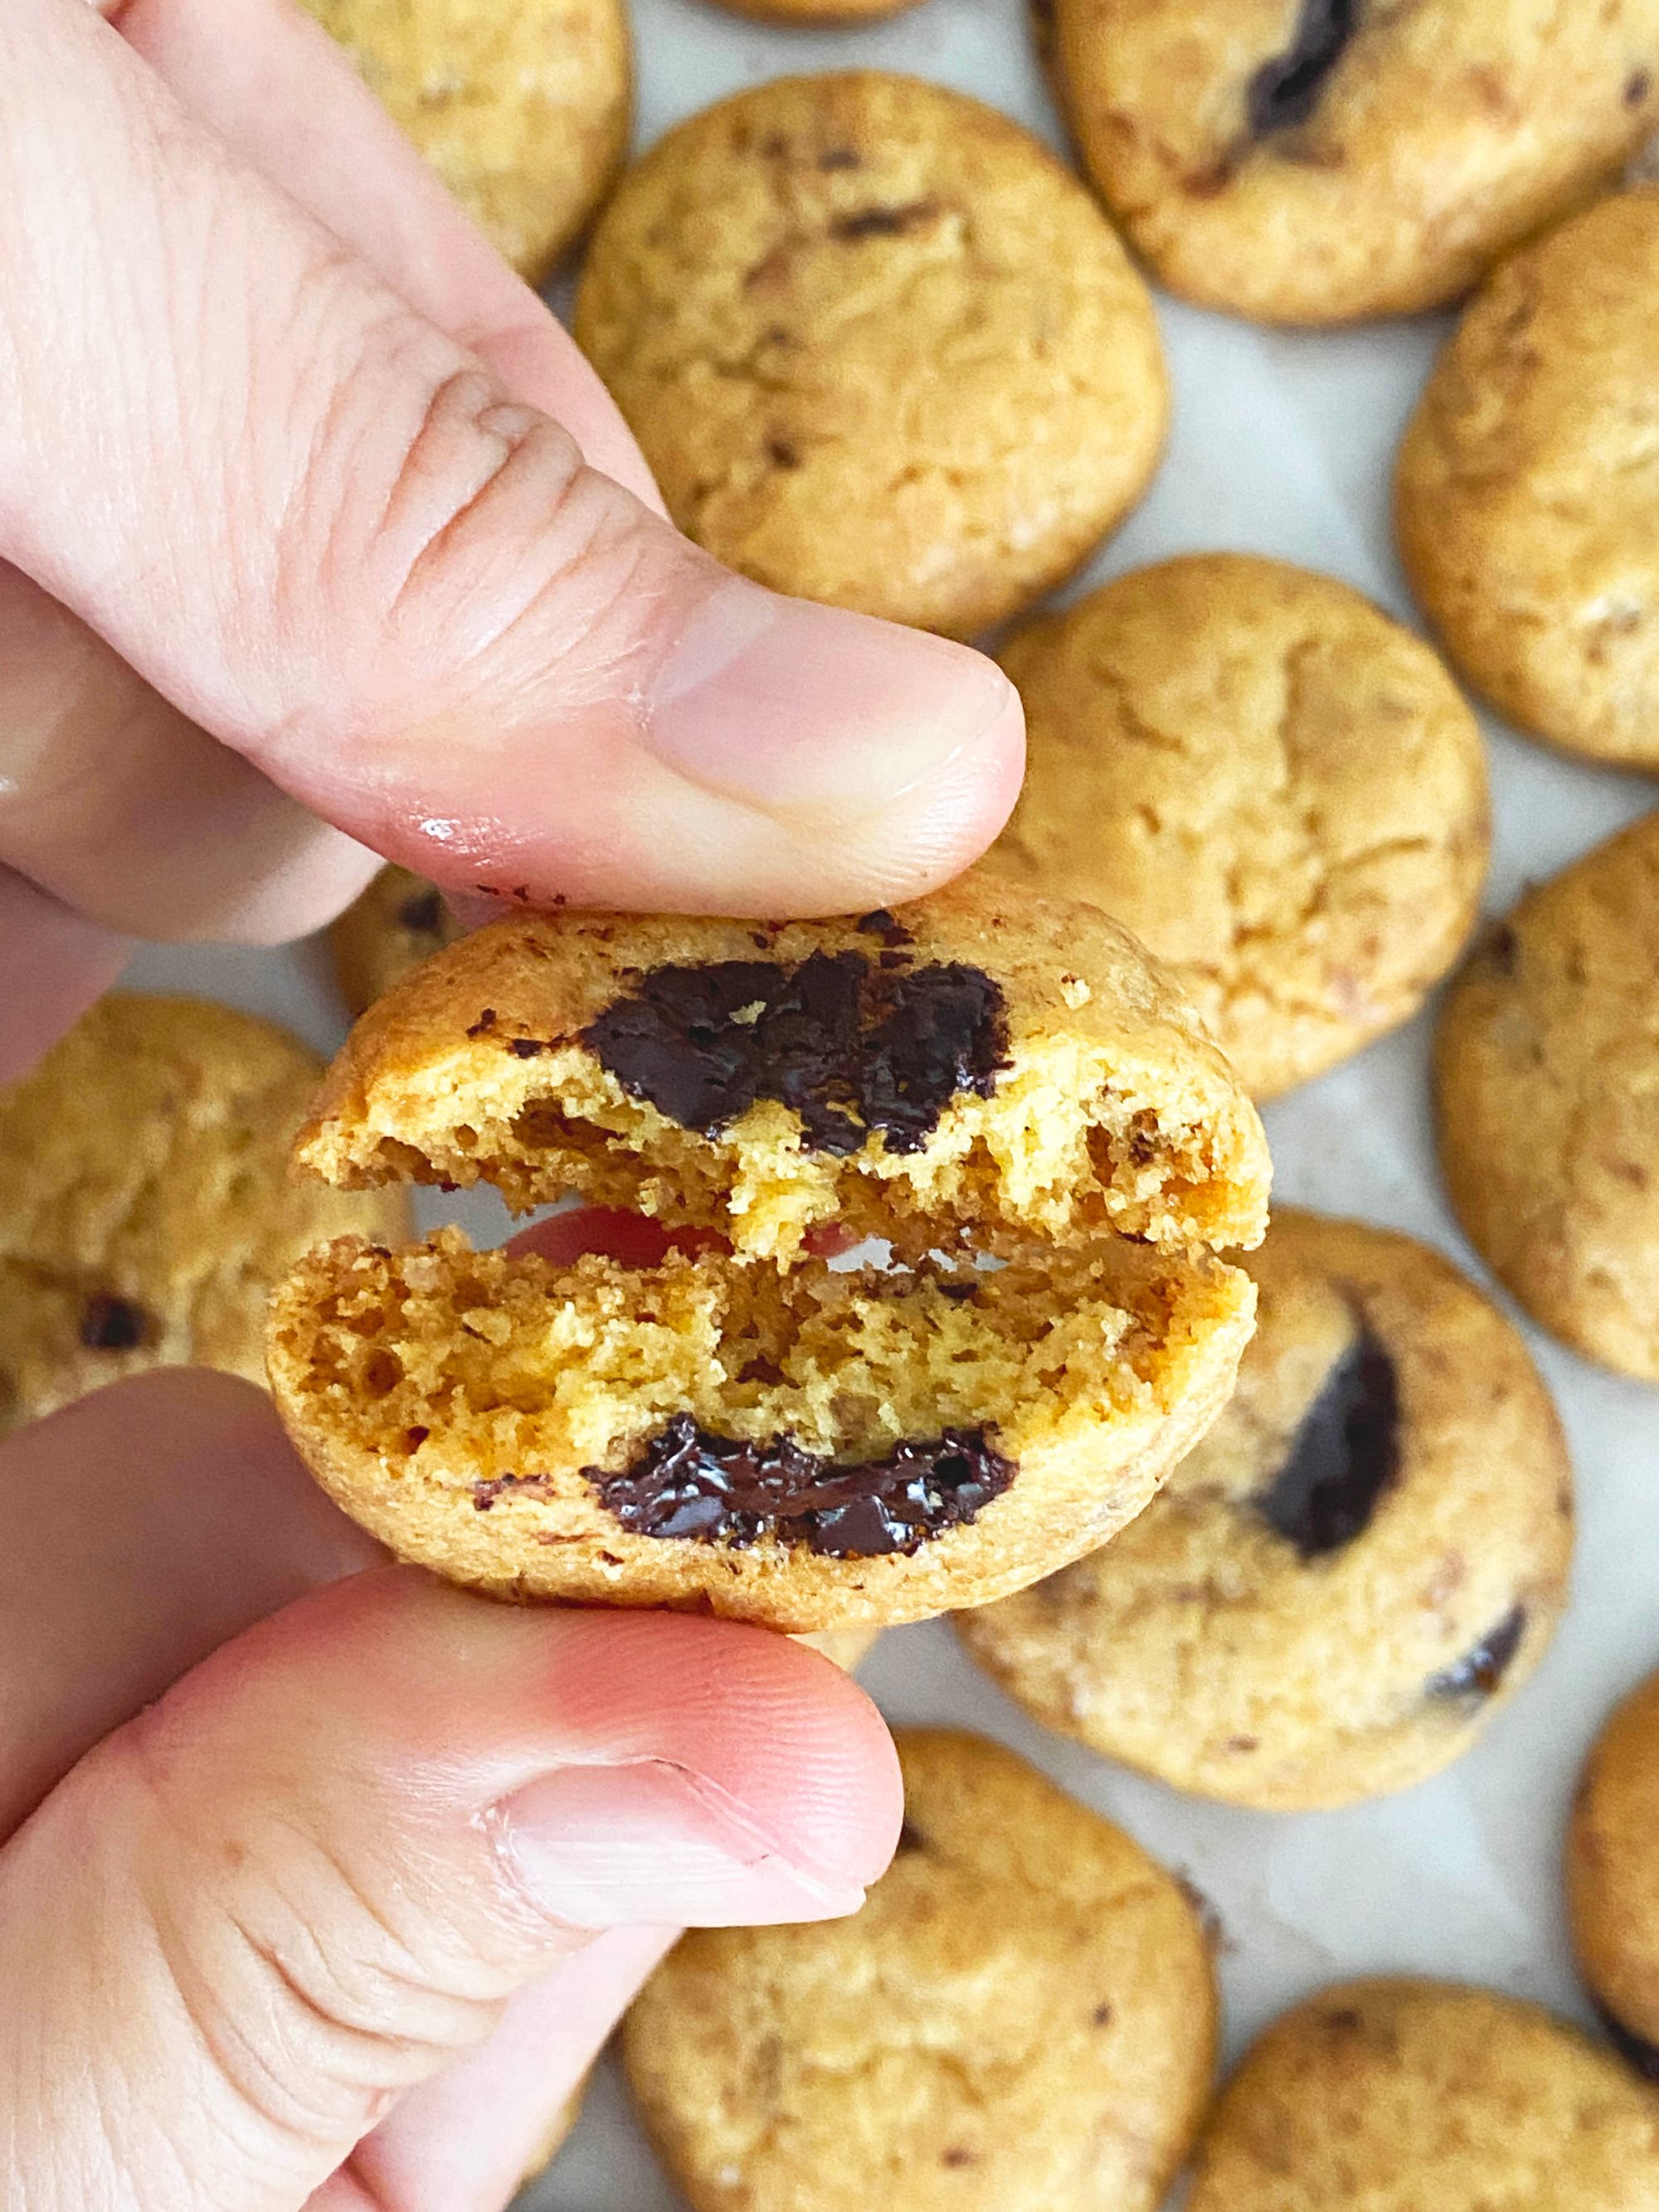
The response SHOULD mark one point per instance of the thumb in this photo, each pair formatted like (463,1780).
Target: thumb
(400,592)
(317,1871)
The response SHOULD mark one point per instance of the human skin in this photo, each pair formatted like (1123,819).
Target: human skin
(319,543)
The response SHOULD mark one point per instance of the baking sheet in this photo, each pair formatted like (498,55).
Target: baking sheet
(1282,444)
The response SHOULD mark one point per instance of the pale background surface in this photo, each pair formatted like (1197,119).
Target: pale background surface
(1282,444)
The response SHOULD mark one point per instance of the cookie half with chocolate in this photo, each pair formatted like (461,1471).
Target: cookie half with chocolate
(1016,1100)
(1366,1555)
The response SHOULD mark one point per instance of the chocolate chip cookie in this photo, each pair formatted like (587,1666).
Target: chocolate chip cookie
(1546,1067)
(1281,790)
(745,1426)
(1612,1876)
(145,1205)
(522,110)
(1528,491)
(399,920)
(1021,2019)
(1316,160)
(879,346)
(1402,2094)
(1335,1590)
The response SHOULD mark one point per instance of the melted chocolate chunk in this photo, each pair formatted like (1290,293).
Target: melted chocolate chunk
(1478,1672)
(848,1046)
(881,222)
(486,1491)
(1633,2048)
(879,922)
(689,1484)
(422,912)
(1284,91)
(1346,1454)
(112,1324)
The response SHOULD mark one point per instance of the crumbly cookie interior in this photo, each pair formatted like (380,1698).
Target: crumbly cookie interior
(497,1371)
(1066,1144)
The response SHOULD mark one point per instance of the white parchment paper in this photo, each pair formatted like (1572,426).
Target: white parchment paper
(1282,444)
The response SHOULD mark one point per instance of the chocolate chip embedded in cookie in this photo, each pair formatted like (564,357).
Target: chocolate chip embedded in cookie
(1527,499)
(1315,161)
(398,921)
(1337,1588)
(1612,1876)
(879,347)
(1546,1067)
(1400,2094)
(522,110)
(791,1443)
(145,1206)
(1021,2019)
(1281,791)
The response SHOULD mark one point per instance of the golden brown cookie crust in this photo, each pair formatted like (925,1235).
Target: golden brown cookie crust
(1021,2019)
(1255,1638)
(522,109)
(1276,788)
(1613,1873)
(147,1206)
(879,347)
(1261,162)
(1545,1062)
(1527,498)
(384,935)
(1400,2093)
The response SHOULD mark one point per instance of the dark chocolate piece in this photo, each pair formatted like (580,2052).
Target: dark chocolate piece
(881,221)
(1284,91)
(1478,1672)
(112,1324)
(422,912)
(782,454)
(880,923)
(687,1483)
(1633,2048)
(850,1047)
(483,1026)
(488,1488)
(527,1047)
(1346,1454)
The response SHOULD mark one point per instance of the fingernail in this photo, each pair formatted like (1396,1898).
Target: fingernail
(654,1845)
(787,703)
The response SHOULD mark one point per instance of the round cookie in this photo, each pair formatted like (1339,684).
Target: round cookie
(1547,1071)
(1527,498)
(1277,789)
(398,921)
(1399,2095)
(1333,1593)
(523,109)
(1612,1876)
(1021,2019)
(879,347)
(1317,160)
(145,1204)
(760,1432)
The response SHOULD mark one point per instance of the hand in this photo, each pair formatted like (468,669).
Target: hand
(310,550)
(315,536)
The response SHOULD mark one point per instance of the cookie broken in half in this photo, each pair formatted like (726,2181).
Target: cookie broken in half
(1015,1098)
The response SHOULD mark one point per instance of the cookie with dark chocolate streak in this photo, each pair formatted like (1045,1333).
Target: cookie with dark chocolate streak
(1320,160)
(743,1426)
(1365,1557)
(1612,1876)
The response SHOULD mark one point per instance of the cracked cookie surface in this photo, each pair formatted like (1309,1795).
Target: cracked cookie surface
(1612,1876)
(1399,2093)
(522,110)
(1021,2019)
(1277,788)
(1547,1071)
(1337,1588)
(145,1204)
(878,346)
(1527,487)
(1318,161)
